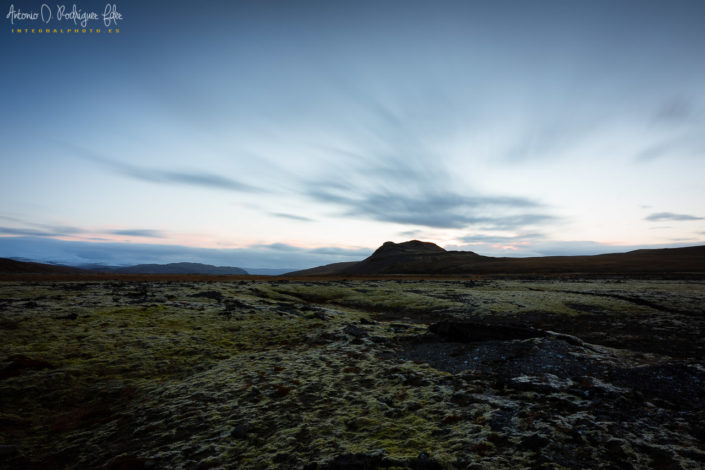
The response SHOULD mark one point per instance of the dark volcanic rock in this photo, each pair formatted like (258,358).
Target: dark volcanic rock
(366,461)
(210,294)
(69,316)
(354,331)
(240,431)
(678,383)
(129,462)
(20,363)
(534,442)
(467,332)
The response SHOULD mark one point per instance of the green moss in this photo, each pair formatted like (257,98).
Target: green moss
(380,299)
(174,378)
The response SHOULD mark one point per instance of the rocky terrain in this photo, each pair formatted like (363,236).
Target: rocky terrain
(353,374)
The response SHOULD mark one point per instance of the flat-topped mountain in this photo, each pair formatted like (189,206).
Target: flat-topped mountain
(410,247)
(416,257)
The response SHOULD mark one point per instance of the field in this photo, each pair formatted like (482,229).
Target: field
(343,374)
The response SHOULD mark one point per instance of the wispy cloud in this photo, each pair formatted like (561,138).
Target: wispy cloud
(22,227)
(675,110)
(342,252)
(276,247)
(189,178)
(680,124)
(689,143)
(439,210)
(29,232)
(410,233)
(146,233)
(395,173)
(292,217)
(661,216)
(164,176)
(482,238)
(659,150)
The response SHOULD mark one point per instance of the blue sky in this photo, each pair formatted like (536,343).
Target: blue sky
(296,133)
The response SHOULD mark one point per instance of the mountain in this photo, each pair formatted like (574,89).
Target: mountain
(412,257)
(11,266)
(267,271)
(327,270)
(416,257)
(175,268)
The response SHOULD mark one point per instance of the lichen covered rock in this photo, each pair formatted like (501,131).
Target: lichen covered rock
(352,374)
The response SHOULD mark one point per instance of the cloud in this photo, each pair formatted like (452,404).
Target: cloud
(410,233)
(661,216)
(205,180)
(439,210)
(678,115)
(675,110)
(480,238)
(547,140)
(659,150)
(291,217)
(146,233)
(28,232)
(23,228)
(276,247)
(343,252)
(392,169)
(689,143)
(11,219)
(31,229)
(161,176)
(500,245)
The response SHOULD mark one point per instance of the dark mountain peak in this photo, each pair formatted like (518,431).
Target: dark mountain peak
(410,247)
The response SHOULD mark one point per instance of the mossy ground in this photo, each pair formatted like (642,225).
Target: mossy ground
(258,374)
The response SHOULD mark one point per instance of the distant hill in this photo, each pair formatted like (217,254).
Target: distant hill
(267,271)
(416,257)
(174,268)
(11,266)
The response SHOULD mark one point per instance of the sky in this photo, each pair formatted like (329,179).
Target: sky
(289,134)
